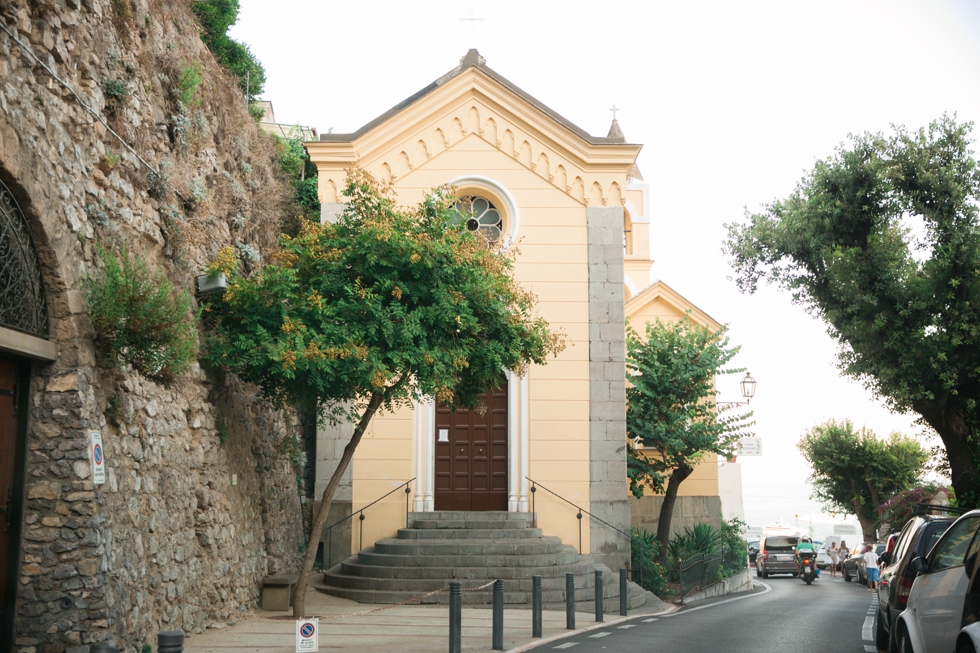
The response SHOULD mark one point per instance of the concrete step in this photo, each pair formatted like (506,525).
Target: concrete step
(468,523)
(466,515)
(584,583)
(510,533)
(566,555)
(351,567)
(467,546)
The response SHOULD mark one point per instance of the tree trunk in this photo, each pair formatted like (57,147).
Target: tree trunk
(955,434)
(667,509)
(868,524)
(299,601)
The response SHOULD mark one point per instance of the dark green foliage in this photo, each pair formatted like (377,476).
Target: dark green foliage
(647,572)
(222,432)
(139,317)
(216,17)
(700,538)
(855,471)
(882,241)
(115,91)
(295,162)
(670,409)
(188,78)
(734,546)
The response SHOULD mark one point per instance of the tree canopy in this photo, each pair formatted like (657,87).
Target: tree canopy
(672,420)
(216,18)
(882,241)
(856,471)
(369,312)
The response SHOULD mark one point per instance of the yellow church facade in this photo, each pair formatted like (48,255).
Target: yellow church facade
(553,440)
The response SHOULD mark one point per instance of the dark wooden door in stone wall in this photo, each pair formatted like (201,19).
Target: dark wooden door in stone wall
(471,455)
(8,457)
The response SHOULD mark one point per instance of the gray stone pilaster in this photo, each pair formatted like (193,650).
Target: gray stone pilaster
(330,442)
(330,210)
(607,388)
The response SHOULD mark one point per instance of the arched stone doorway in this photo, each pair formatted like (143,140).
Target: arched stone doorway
(23,338)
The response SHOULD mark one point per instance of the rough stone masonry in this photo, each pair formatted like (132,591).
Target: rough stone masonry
(169,542)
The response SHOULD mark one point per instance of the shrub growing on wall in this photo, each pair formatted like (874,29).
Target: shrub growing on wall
(139,317)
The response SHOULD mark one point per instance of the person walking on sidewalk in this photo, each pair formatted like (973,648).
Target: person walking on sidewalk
(871,567)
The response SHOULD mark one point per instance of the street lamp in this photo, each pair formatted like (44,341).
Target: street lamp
(748,391)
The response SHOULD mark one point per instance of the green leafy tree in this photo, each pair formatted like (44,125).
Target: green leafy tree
(882,241)
(380,307)
(216,18)
(856,471)
(671,412)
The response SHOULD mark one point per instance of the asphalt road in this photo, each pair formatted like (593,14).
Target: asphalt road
(829,615)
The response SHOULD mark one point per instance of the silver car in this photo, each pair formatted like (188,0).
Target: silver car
(777,555)
(933,618)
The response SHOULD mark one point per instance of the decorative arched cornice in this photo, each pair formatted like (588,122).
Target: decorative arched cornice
(498,191)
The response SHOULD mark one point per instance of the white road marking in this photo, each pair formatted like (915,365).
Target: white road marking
(627,626)
(649,621)
(866,629)
(567,645)
(602,634)
(872,649)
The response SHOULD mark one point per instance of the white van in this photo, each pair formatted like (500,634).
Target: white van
(823,558)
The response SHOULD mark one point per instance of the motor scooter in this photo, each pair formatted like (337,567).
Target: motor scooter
(808,566)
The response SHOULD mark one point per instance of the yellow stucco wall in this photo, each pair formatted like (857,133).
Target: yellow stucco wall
(553,263)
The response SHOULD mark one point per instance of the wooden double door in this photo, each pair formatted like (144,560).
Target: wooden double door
(11,478)
(471,455)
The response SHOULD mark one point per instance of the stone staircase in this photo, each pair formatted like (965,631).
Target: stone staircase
(474,548)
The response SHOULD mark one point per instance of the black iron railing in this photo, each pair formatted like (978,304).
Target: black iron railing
(581,511)
(360,518)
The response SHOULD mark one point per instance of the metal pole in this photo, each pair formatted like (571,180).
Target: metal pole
(455,618)
(360,534)
(579,531)
(329,547)
(536,606)
(498,615)
(622,592)
(408,491)
(534,491)
(599,608)
(171,641)
(570,601)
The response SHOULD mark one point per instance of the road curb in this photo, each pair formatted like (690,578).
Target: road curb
(668,608)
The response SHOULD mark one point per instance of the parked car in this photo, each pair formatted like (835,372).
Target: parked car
(777,555)
(823,557)
(753,550)
(934,616)
(854,564)
(968,640)
(915,540)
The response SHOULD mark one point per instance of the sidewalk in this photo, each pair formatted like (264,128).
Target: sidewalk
(407,628)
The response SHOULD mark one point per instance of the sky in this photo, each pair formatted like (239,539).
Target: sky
(733,103)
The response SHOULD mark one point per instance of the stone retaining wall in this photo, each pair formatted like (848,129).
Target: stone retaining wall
(170,541)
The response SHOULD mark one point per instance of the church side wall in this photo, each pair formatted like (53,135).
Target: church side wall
(169,542)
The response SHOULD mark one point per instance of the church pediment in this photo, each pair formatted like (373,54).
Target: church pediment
(474,101)
(659,291)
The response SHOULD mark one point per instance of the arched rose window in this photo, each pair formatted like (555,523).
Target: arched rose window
(479,214)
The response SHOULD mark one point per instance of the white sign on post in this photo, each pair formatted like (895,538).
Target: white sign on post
(98,458)
(307,635)
(750,447)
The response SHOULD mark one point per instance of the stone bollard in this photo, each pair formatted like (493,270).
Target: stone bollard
(623,591)
(599,608)
(170,641)
(570,601)
(536,607)
(455,618)
(104,647)
(498,615)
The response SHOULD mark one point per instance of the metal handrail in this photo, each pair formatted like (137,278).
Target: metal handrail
(534,486)
(360,512)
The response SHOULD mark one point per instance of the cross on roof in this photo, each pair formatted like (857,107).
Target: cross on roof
(614,110)
(472,20)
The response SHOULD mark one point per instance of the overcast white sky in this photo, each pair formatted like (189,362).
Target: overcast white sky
(733,101)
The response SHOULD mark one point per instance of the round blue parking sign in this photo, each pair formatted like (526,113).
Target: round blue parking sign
(98,455)
(306,630)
